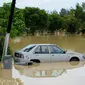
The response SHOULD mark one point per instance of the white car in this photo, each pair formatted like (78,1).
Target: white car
(45,53)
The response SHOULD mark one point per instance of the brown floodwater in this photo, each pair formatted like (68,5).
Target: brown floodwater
(69,42)
(61,73)
(56,73)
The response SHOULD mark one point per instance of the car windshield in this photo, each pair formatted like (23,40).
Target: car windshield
(28,48)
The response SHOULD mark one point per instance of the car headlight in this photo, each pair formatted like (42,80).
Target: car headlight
(83,56)
(21,56)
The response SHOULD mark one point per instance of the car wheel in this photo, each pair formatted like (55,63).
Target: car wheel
(74,59)
(30,63)
(36,61)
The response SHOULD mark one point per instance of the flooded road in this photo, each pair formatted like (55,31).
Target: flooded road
(58,73)
(48,70)
(61,73)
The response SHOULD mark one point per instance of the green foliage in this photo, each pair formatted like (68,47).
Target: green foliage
(78,11)
(18,22)
(55,22)
(35,19)
(30,20)
(83,5)
(64,12)
(83,28)
(1,47)
(72,25)
(72,12)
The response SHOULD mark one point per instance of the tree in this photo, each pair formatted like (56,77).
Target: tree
(72,12)
(4,14)
(83,5)
(18,23)
(54,12)
(35,19)
(55,22)
(65,22)
(64,12)
(83,27)
(78,11)
(74,25)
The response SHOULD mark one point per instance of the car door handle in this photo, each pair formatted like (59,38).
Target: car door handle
(52,55)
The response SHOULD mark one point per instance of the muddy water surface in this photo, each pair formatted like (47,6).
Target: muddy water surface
(61,73)
(71,42)
(58,73)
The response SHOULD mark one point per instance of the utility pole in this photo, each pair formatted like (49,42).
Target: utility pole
(6,63)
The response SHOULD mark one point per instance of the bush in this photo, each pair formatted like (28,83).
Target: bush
(1,47)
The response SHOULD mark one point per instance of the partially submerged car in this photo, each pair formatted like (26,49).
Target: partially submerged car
(45,53)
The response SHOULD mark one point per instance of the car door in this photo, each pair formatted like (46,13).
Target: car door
(57,54)
(42,53)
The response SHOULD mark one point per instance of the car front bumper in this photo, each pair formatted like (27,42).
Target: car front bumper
(20,61)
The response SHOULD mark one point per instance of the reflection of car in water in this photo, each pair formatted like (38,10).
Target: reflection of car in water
(45,53)
(48,69)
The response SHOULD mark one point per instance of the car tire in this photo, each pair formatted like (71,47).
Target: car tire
(35,61)
(30,63)
(74,59)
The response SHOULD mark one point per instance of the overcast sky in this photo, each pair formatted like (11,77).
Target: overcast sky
(47,4)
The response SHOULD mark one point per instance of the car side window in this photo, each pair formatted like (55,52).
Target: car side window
(55,50)
(42,50)
(38,50)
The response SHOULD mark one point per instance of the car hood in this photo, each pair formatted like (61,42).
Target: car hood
(20,51)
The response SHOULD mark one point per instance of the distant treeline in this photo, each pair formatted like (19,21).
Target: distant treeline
(31,20)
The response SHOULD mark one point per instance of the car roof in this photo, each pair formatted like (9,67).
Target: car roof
(41,44)
(37,45)
(34,45)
